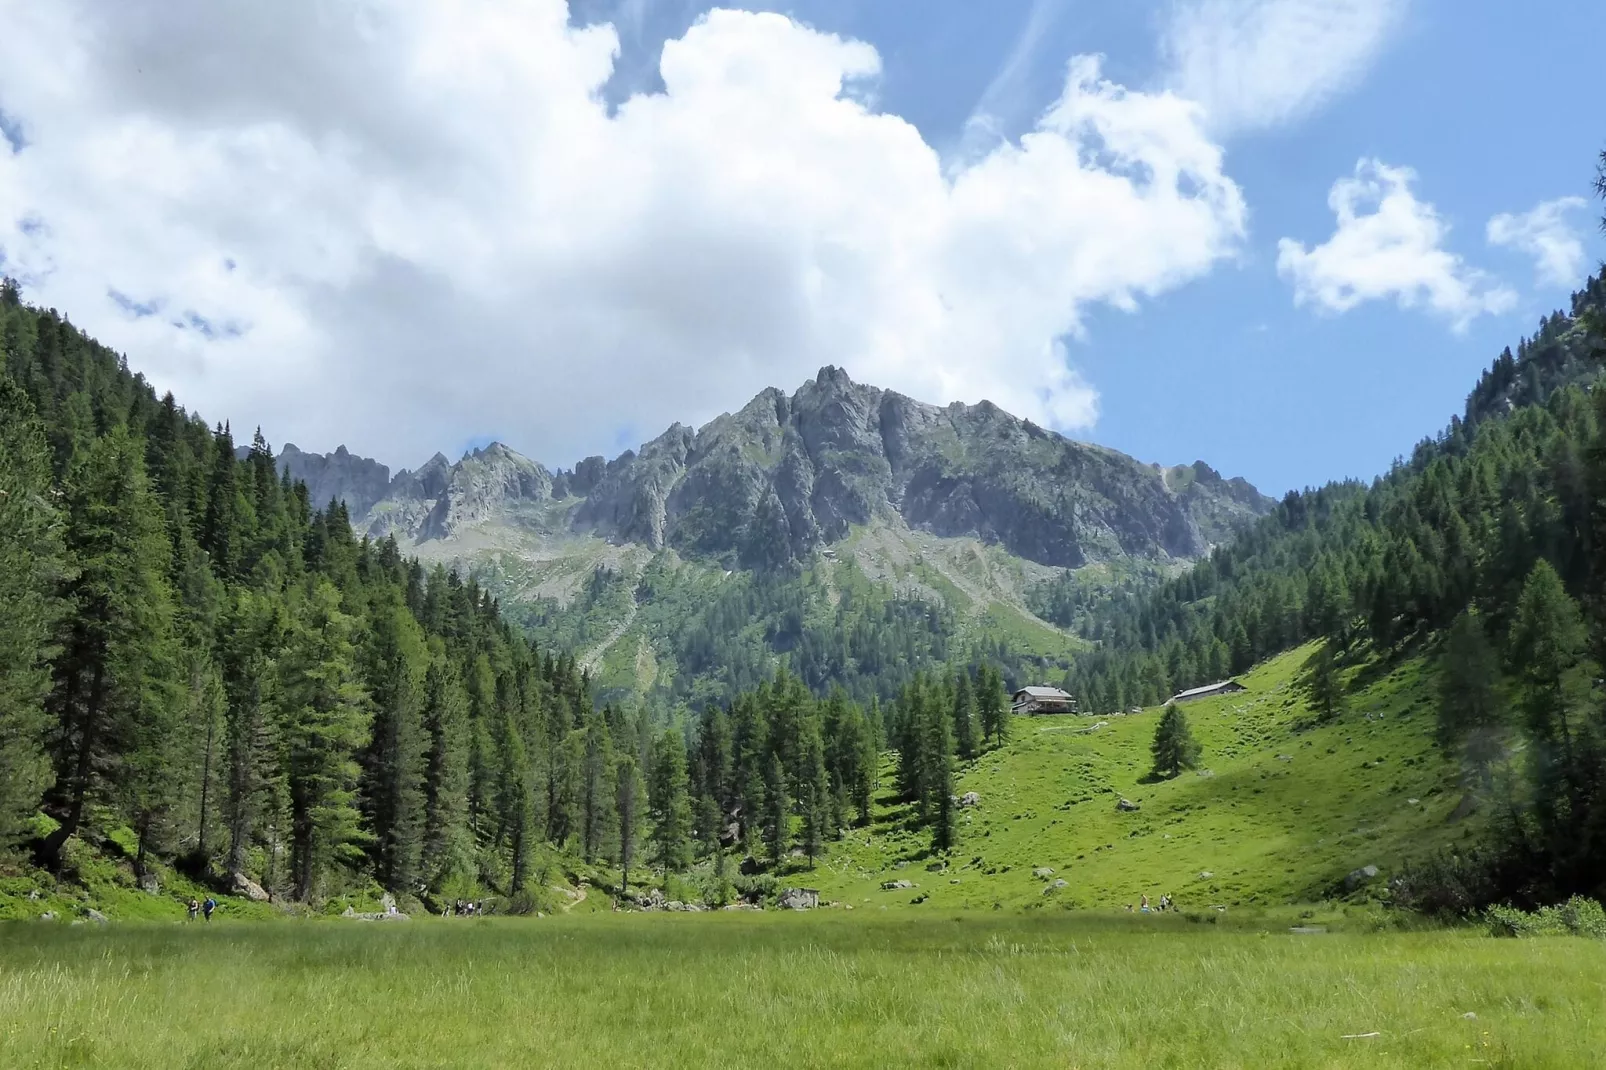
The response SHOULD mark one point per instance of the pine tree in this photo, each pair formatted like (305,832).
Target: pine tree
(1547,645)
(630,794)
(31,563)
(448,850)
(814,792)
(1324,683)
(325,717)
(109,676)
(777,812)
(515,802)
(393,777)
(937,780)
(964,717)
(597,812)
(670,800)
(1470,721)
(1174,748)
(992,705)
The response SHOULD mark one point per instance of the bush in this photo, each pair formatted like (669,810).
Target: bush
(1576,917)
(756,888)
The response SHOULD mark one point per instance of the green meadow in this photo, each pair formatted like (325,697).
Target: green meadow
(827,989)
(1282,808)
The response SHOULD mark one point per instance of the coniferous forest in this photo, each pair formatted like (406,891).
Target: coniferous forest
(203,668)
(198,654)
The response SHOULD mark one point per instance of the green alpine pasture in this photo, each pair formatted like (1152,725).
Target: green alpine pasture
(823,990)
(1282,807)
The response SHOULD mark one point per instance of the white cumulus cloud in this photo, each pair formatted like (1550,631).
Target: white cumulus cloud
(406,225)
(1257,63)
(1545,234)
(1387,245)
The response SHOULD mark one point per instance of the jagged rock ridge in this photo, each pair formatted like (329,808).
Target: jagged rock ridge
(787,474)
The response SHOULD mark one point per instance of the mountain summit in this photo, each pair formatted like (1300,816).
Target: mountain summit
(789,474)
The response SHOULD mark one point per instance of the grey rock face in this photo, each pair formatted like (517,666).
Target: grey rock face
(787,474)
(358,482)
(767,485)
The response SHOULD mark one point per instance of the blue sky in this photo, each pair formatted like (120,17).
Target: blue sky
(1489,102)
(1279,236)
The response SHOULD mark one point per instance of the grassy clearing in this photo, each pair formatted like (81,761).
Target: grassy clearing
(1281,811)
(831,989)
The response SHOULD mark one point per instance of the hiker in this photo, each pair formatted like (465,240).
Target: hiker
(209,906)
(1165,902)
(1144,908)
(193,907)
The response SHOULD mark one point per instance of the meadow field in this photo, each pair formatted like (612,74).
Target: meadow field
(827,989)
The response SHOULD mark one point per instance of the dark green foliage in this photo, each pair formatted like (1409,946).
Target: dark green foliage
(1460,522)
(964,717)
(669,795)
(235,677)
(777,811)
(1471,716)
(114,677)
(1174,748)
(629,799)
(1323,682)
(30,569)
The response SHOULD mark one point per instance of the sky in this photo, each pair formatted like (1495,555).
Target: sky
(1279,236)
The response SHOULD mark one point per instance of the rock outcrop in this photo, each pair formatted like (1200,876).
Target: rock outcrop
(357,482)
(787,474)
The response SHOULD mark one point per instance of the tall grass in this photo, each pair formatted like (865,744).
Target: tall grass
(759,990)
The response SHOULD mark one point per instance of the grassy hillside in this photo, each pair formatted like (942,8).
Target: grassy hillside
(662,626)
(1281,809)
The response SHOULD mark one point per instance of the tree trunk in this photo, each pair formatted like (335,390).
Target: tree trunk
(82,770)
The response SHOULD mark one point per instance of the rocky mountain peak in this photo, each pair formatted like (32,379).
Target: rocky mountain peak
(786,473)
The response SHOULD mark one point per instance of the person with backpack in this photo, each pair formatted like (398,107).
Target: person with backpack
(209,906)
(193,907)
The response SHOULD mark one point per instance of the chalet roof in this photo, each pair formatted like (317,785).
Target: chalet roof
(1208,689)
(1043,692)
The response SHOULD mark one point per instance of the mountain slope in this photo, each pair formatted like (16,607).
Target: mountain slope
(1283,809)
(963,507)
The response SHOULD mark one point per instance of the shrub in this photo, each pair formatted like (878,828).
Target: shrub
(1576,917)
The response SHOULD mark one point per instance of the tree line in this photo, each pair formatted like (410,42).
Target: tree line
(196,655)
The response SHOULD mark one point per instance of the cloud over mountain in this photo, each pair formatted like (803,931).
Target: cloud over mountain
(425,224)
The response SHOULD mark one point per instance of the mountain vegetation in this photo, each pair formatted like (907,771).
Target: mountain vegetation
(205,675)
(849,534)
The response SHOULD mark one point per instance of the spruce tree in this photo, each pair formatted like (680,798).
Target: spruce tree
(597,788)
(325,717)
(1174,748)
(448,850)
(630,796)
(937,781)
(777,812)
(964,717)
(1325,685)
(670,799)
(814,793)
(396,659)
(1470,719)
(112,674)
(1547,646)
(31,564)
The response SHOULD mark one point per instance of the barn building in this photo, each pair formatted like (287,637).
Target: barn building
(1038,699)
(1225,687)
